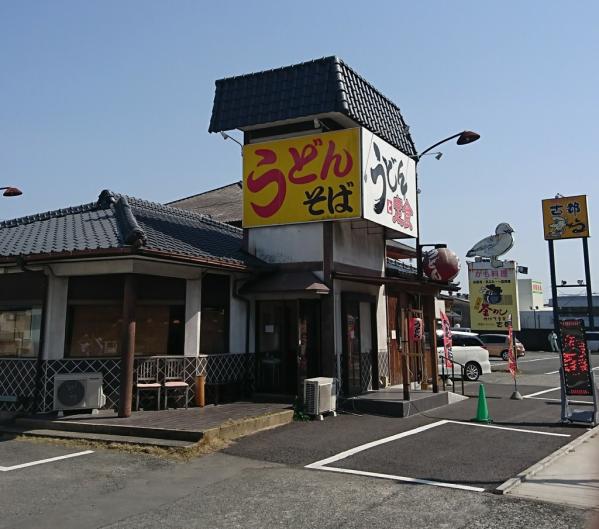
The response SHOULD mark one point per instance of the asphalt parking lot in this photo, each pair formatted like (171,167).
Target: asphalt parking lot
(442,446)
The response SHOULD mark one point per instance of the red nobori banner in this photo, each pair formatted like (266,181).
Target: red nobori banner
(512,362)
(447,340)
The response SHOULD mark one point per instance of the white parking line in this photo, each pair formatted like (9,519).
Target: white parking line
(511,429)
(322,464)
(42,461)
(524,361)
(559,400)
(541,392)
(372,444)
(403,478)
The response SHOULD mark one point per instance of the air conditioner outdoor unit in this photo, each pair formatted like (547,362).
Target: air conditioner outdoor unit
(78,391)
(320,396)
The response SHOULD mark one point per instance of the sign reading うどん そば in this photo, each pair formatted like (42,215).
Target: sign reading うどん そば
(388,186)
(302,179)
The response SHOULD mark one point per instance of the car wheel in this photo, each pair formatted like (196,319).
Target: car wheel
(505,355)
(472,371)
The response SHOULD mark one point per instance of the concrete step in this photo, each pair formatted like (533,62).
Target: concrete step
(29,423)
(98,437)
(382,403)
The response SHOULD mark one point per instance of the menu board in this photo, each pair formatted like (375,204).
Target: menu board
(575,359)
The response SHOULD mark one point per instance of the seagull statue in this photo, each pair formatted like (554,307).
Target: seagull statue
(494,245)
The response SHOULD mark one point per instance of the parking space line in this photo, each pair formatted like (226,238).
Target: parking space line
(510,429)
(525,361)
(361,448)
(541,392)
(402,478)
(559,400)
(42,461)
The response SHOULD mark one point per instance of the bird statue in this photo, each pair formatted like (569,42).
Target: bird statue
(494,245)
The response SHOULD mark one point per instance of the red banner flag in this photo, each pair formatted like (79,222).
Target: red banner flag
(512,364)
(447,341)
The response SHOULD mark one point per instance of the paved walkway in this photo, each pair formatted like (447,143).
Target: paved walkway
(571,478)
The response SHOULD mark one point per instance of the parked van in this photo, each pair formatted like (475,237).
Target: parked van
(498,346)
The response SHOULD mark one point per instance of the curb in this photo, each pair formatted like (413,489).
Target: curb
(243,427)
(512,483)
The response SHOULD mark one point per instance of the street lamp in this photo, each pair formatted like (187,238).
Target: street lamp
(227,137)
(463,138)
(11,191)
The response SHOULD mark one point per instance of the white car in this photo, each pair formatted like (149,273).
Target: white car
(469,351)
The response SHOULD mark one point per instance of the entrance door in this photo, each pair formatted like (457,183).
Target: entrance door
(360,361)
(277,347)
(288,348)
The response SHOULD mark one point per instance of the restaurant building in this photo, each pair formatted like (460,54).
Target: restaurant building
(316,283)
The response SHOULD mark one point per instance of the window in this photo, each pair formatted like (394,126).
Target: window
(471,341)
(95,330)
(20,332)
(95,316)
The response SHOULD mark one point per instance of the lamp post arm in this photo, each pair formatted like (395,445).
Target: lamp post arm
(418,156)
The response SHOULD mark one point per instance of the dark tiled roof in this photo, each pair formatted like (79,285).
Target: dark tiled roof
(224,204)
(397,268)
(307,89)
(115,223)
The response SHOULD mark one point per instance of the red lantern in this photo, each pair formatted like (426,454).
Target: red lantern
(416,329)
(441,264)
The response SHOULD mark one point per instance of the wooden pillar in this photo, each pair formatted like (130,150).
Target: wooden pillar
(127,346)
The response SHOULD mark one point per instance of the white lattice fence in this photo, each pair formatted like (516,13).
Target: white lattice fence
(17,379)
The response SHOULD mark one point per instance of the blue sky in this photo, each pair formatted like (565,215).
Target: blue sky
(118,94)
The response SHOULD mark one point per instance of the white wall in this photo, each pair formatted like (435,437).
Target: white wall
(287,244)
(358,245)
(193,316)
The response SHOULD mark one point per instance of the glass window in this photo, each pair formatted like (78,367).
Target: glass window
(95,330)
(20,332)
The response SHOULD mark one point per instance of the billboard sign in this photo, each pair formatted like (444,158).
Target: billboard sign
(565,217)
(302,179)
(388,186)
(493,296)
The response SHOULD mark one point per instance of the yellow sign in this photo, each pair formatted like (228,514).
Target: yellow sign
(302,179)
(565,217)
(493,296)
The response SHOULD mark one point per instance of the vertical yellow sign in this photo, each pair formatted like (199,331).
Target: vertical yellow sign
(493,296)
(302,179)
(565,217)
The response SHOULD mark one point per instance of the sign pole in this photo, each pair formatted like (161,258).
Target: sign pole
(587,273)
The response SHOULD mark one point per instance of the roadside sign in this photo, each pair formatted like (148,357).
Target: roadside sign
(565,217)
(575,359)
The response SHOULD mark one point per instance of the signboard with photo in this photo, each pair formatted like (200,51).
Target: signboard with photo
(493,296)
